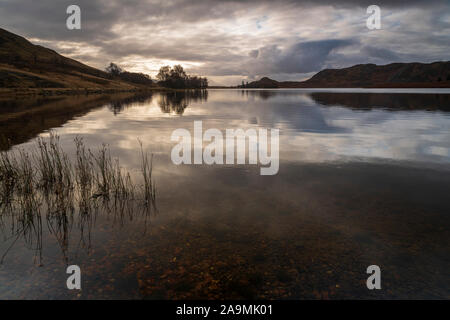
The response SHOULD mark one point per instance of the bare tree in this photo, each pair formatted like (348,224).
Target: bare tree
(113,69)
(164,73)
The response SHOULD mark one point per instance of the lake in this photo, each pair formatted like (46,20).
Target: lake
(364,179)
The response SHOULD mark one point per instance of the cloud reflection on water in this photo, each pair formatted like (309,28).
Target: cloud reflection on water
(389,126)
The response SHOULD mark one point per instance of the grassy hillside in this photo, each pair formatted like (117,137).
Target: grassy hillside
(436,74)
(394,75)
(25,65)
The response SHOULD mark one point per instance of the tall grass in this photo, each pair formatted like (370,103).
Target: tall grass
(149,188)
(84,174)
(53,165)
(8,177)
(47,172)
(45,179)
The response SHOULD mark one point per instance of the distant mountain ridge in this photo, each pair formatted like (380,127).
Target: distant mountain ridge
(394,75)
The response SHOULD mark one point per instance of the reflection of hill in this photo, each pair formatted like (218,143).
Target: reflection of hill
(263,94)
(177,102)
(21,120)
(384,100)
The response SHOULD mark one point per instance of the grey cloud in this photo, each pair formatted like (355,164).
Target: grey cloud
(46,18)
(309,56)
(302,57)
(381,53)
(218,52)
(254,53)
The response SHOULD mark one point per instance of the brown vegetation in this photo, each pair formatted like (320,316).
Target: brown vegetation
(394,75)
(32,68)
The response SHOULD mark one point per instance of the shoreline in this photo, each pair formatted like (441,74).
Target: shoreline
(13,93)
(28,92)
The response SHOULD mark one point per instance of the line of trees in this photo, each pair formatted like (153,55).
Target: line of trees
(177,78)
(244,85)
(170,77)
(139,78)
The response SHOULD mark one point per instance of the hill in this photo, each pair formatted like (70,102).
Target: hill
(264,83)
(25,65)
(394,75)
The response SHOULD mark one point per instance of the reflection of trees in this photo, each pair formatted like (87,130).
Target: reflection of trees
(23,119)
(169,102)
(118,105)
(177,102)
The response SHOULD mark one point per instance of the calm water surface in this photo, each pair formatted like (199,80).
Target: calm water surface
(364,179)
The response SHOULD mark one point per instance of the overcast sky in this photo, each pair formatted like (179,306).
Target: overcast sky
(230,41)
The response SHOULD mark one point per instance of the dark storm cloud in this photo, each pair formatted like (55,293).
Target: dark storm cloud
(309,56)
(46,18)
(302,57)
(380,53)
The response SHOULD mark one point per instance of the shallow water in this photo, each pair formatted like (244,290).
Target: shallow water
(363,179)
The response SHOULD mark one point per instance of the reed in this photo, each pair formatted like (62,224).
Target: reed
(8,176)
(84,171)
(103,172)
(149,188)
(53,164)
(47,176)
